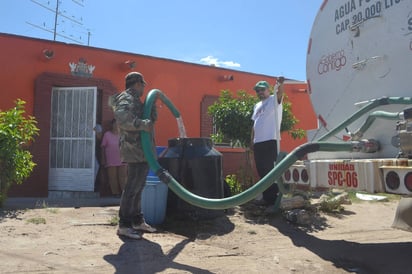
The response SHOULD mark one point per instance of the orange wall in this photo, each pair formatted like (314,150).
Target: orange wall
(184,83)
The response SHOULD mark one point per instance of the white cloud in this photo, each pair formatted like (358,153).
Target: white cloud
(212,61)
(230,64)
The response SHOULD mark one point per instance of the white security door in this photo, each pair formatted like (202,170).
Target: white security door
(72,139)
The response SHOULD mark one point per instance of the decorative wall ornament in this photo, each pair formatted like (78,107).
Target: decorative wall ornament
(227,78)
(81,69)
(130,64)
(48,53)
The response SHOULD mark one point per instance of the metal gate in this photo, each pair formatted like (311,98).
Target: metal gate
(72,139)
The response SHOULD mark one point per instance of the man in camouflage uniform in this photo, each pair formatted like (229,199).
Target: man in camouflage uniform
(128,110)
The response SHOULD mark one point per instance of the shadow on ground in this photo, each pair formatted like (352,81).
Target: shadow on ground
(144,256)
(10,214)
(199,224)
(354,257)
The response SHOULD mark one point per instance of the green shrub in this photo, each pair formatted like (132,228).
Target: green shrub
(17,131)
(234,184)
(232,118)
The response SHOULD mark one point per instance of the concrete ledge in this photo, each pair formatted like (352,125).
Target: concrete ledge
(41,202)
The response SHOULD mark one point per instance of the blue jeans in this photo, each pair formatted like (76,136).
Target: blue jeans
(130,211)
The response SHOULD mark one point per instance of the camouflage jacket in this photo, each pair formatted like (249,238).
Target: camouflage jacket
(128,111)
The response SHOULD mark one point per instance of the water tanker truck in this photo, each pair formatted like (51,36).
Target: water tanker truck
(359,75)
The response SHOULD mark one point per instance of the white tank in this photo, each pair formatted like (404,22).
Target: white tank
(359,50)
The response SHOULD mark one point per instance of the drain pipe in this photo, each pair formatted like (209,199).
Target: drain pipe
(240,198)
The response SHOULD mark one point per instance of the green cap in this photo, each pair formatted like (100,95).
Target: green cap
(261,84)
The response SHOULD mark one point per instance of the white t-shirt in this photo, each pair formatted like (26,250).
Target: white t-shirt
(265,118)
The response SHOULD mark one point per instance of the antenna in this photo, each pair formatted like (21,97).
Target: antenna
(60,18)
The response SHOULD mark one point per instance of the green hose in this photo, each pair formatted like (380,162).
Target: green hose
(240,198)
(371,118)
(371,105)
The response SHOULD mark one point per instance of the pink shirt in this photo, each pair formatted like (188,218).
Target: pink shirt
(110,144)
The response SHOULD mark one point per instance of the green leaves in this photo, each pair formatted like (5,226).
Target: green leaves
(289,121)
(17,131)
(232,118)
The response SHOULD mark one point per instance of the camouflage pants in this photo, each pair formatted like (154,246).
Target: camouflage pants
(130,211)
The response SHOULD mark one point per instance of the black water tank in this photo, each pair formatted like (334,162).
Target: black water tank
(197,166)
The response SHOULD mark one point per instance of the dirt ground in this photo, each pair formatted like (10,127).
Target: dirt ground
(244,239)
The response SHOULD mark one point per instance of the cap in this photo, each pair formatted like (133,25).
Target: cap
(133,77)
(261,84)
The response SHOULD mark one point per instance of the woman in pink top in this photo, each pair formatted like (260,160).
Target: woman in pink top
(116,170)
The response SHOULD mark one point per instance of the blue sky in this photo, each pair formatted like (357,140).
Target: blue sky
(263,36)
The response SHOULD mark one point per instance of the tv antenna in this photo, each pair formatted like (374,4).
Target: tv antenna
(61,17)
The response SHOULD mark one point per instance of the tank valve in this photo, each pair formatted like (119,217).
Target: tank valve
(370,145)
(366,146)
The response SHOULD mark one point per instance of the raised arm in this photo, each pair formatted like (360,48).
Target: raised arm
(280,90)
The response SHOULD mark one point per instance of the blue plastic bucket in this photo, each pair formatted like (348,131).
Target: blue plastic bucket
(154,200)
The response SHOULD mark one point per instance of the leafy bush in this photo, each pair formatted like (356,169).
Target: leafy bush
(17,131)
(234,184)
(289,120)
(232,118)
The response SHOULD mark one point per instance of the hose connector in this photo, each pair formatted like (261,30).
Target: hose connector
(164,176)
(366,146)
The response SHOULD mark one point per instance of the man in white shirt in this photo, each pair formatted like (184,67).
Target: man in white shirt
(267,117)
